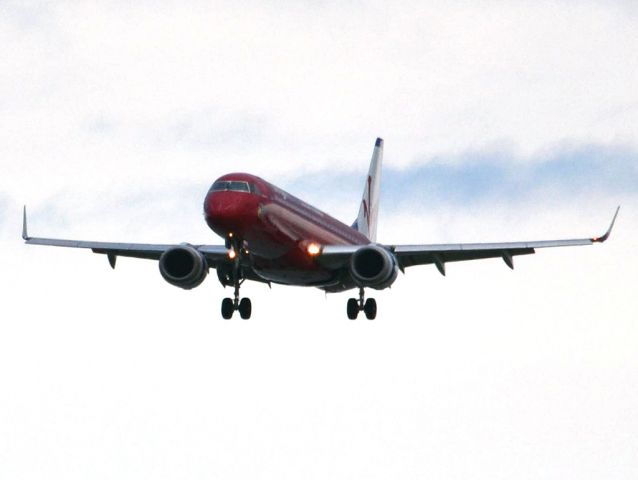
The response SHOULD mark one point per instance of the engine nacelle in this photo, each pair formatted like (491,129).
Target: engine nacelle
(183,267)
(373,266)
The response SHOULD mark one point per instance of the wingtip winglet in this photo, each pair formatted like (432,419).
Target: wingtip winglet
(608,232)
(25,235)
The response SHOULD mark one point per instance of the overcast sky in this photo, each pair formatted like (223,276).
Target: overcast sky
(502,121)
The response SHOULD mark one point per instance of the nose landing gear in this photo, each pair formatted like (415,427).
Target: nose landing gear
(229,305)
(368,306)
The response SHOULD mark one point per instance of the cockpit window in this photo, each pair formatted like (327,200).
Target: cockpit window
(238,187)
(219,187)
(232,186)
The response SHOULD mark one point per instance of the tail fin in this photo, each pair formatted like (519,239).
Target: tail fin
(366,222)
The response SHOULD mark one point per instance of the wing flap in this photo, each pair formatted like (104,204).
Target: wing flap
(214,254)
(410,255)
(445,256)
(100,247)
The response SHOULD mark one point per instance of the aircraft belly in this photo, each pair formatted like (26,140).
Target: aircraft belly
(293,268)
(296,276)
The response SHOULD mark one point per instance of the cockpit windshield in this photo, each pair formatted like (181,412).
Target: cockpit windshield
(234,186)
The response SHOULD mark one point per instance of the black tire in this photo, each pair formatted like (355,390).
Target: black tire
(227,308)
(352,308)
(370,308)
(245,308)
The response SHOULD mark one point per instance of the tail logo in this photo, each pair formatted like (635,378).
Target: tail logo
(367,206)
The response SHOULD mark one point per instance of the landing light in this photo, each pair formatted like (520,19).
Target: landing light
(232,254)
(313,249)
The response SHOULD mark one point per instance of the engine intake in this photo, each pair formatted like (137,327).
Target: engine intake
(183,267)
(373,266)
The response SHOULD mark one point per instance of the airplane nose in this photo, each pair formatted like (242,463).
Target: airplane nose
(229,211)
(214,207)
(218,209)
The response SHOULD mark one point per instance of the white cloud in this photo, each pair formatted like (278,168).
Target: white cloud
(147,91)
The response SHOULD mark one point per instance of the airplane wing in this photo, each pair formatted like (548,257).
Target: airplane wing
(214,254)
(440,254)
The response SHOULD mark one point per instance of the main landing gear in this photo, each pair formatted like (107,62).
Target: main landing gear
(229,305)
(368,306)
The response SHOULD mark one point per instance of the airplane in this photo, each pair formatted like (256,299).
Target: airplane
(270,236)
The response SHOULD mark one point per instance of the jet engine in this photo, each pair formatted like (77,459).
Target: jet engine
(373,266)
(183,267)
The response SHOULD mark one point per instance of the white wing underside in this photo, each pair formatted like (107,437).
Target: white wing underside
(440,254)
(337,256)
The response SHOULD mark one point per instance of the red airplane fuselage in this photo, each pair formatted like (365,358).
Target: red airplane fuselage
(276,229)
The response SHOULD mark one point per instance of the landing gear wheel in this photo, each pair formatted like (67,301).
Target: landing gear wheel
(231,274)
(227,308)
(370,308)
(353,308)
(245,308)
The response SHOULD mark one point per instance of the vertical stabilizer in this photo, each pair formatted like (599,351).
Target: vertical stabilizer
(366,222)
